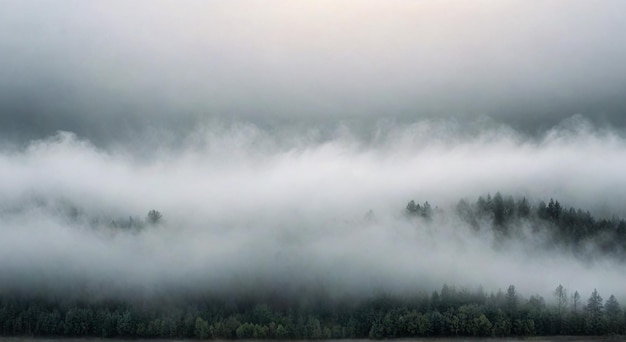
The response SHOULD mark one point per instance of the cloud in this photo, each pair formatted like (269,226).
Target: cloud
(264,132)
(109,70)
(247,210)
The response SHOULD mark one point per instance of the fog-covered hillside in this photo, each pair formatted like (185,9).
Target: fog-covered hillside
(221,155)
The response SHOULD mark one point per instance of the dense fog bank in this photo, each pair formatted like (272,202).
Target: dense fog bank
(304,170)
(247,210)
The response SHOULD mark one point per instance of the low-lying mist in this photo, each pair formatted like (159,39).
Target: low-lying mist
(253,211)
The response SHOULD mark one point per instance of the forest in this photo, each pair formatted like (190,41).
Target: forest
(313,314)
(556,227)
(448,312)
(292,170)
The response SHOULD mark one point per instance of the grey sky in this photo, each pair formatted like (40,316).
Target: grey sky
(243,122)
(111,69)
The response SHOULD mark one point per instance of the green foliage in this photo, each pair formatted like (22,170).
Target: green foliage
(464,313)
(614,316)
(201,330)
(595,322)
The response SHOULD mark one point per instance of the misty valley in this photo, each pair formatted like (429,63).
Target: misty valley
(293,170)
(312,310)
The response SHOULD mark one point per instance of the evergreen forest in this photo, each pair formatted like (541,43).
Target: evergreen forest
(448,312)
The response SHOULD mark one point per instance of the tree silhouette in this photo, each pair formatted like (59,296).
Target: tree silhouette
(154,217)
(594,323)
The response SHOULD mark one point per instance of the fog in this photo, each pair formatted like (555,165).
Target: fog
(282,140)
(108,69)
(247,212)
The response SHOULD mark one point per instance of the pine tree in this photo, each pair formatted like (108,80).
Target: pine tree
(154,217)
(498,210)
(427,211)
(594,322)
(411,208)
(613,315)
(594,304)
(523,209)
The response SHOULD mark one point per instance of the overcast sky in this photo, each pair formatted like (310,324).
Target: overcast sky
(111,69)
(265,130)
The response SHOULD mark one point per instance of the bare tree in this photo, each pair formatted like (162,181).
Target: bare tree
(561,302)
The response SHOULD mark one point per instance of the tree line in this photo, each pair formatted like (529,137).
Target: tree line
(154,217)
(448,312)
(570,228)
